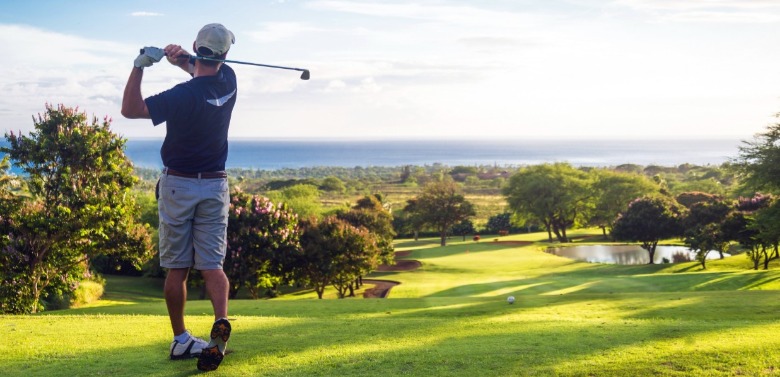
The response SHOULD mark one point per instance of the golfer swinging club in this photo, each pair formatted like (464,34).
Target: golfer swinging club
(192,191)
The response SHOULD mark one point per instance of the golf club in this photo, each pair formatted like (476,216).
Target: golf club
(304,74)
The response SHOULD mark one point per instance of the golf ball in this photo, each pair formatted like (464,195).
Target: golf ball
(510,299)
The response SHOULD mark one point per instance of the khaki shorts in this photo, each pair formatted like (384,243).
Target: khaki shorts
(193,222)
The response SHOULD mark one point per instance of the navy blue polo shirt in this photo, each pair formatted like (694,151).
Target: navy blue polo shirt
(197,116)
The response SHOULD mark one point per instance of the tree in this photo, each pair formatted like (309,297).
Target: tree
(302,198)
(690,198)
(501,223)
(649,220)
(744,230)
(409,220)
(754,203)
(703,227)
(441,206)
(370,214)
(557,195)
(758,163)
(464,228)
(333,184)
(767,223)
(263,240)
(15,296)
(80,204)
(11,190)
(704,239)
(334,252)
(460,173)
(613,192)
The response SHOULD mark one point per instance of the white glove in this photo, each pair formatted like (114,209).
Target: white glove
(149,56)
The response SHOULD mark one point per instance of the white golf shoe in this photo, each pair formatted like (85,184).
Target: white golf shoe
(189,349)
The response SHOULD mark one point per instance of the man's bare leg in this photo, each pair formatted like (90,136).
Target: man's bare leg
(176,297)
(218,288)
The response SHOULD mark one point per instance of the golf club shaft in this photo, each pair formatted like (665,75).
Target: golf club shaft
(248,63)
(304,75)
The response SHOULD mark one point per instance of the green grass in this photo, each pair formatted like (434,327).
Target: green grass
(449,318)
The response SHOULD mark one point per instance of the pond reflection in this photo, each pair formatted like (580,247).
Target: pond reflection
(627,254)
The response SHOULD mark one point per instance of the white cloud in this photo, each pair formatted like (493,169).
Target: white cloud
(699,4)
(368,85)
(723,17)
(277,31)
(56,68)
(335,85)
(146,14)
(715,11)
(419,11)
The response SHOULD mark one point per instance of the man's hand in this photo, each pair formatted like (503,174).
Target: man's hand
(179,57)
(148,56)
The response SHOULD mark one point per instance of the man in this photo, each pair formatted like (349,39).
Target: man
(192,191)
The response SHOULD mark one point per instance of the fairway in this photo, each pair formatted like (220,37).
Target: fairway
(447,318)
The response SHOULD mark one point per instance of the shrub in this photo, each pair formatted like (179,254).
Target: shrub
(86,293)
(680,256)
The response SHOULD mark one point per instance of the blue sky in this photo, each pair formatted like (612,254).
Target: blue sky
(420,69)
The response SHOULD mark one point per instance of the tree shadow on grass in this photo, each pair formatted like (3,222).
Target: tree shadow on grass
(589,283)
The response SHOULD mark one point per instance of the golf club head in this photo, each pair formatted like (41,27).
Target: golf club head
(305,74)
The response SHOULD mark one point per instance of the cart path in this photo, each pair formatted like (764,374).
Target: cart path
(382,288)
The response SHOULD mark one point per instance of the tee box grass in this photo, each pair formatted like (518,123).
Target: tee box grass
(447,318)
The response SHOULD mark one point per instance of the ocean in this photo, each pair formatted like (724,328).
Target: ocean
(278,154)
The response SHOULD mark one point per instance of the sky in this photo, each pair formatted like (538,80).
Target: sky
(424,69)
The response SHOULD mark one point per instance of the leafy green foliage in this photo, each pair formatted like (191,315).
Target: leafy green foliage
(704,228)
(333,184)
(613,192)
(80,205)
(557,195)
(500,222)
(303,199)
(767,224)
(464,228)
(440,206)
(758,163)
(649,220)
(336,253)
(369,213)
(263,239)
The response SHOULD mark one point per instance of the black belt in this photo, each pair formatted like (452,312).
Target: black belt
(204,175)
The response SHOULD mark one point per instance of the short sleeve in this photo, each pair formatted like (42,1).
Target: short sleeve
(168,104)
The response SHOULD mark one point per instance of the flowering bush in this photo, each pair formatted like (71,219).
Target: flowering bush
(262,238)
(754,203)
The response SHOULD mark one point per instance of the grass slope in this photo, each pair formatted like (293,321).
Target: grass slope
(449,318)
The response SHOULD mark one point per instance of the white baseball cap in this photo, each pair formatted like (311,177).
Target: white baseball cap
(213,40)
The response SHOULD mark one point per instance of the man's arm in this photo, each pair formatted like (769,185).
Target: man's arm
(133,105)
(179,57)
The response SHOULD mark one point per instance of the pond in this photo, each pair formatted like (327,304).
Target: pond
(627,254)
